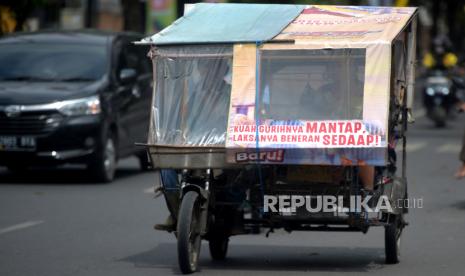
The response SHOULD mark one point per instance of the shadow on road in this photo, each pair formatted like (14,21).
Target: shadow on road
(459,205)
(270,258)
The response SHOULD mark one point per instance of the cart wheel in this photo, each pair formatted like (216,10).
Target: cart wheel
(144,161)
(218,247)
(392,235)
(188,233)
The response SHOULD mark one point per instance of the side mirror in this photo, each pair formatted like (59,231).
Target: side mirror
(127,75)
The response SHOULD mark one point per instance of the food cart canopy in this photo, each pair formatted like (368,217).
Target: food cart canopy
(220,23)
(315,24)
(290,84)
(347,26)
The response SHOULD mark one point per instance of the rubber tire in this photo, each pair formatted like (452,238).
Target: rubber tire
(440,124)
(97,166)
(440,116)
(392,234)
(144,162)
(218,247)
(187,221)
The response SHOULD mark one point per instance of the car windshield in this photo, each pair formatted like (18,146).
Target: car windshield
(52,62)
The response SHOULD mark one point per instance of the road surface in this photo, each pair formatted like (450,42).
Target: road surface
(53,223)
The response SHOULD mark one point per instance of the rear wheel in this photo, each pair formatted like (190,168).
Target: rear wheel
(188,233)
(392,235)
(218,247)
(103,165)
(144,161)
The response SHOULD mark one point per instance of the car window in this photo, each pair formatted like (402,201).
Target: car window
(128,57)
(145,64)
(134,57)
(52,61)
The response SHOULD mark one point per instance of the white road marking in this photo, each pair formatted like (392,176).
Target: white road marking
(415,146)
(20,226)
(149,190)
(411,147)
(449,148)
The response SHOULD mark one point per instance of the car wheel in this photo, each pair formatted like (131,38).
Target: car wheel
(103,166)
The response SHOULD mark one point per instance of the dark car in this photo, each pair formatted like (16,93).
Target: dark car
(73,97)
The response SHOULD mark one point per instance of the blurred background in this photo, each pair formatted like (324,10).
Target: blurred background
(437,18)
(54,222)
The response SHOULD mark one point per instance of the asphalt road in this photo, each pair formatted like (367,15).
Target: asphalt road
(53,223)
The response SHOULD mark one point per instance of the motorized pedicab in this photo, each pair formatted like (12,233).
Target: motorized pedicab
(282,116)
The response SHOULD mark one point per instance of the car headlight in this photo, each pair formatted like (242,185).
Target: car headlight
(84,106)
(430,91)
(445,90)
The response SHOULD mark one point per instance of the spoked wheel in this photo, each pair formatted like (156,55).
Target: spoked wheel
(188,232)
(392,235)
(218,247)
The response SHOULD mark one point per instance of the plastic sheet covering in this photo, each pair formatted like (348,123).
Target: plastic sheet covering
(400,65)
(312,84)
(310,107)
(192,95)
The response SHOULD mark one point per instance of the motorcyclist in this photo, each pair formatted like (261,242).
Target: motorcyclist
(442,56)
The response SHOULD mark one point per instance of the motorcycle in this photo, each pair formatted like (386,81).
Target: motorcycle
(440,96)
